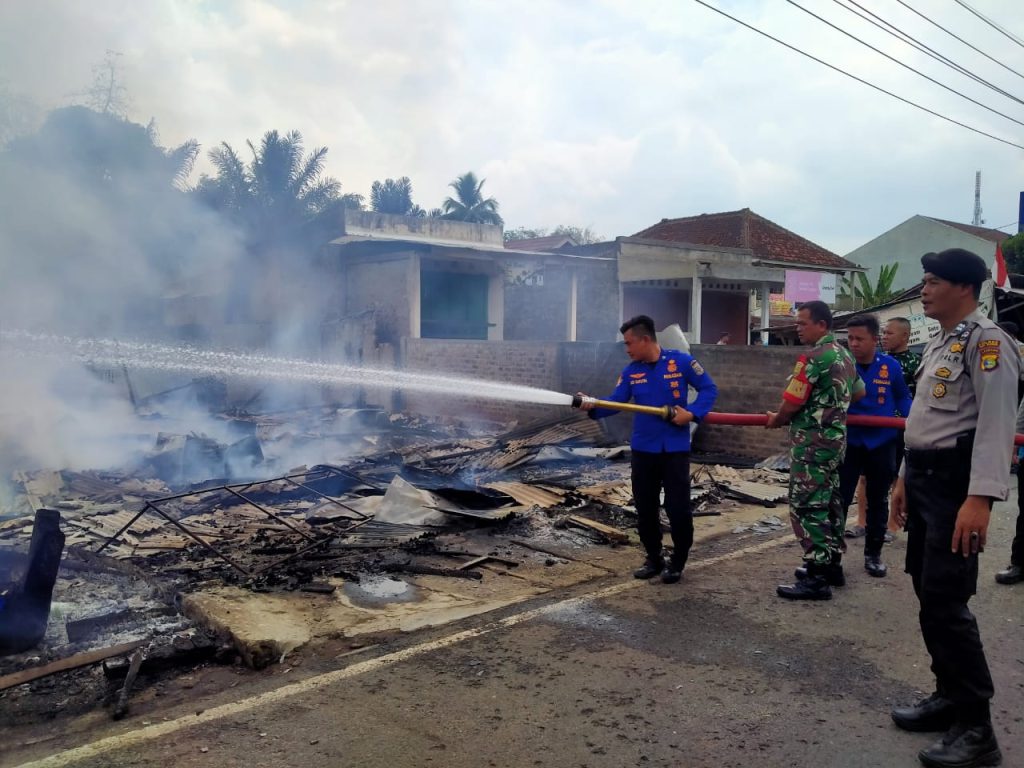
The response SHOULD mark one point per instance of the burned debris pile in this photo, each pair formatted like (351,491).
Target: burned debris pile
(415,515)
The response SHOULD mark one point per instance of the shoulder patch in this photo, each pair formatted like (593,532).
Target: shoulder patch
(990,359)
(697,367)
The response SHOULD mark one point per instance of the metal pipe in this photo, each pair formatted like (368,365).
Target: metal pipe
(662,411)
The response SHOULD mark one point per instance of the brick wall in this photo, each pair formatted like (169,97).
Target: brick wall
(750,380)
(539,312)
(534,364)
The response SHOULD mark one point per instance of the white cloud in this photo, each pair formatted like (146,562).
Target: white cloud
(612,114)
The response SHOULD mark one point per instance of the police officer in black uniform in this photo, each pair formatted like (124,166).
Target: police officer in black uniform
(959,437)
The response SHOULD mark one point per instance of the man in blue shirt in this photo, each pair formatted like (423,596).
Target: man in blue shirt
(871,451)
(660,449)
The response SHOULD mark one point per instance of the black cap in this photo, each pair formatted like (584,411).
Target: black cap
(956,265)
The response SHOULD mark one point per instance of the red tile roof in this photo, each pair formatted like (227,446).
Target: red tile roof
(993,235)
(745,229)
(549,243)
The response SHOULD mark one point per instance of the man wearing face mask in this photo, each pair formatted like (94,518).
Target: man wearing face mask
(959,438)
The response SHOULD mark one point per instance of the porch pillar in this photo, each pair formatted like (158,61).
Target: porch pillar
(695,309)
(766,311)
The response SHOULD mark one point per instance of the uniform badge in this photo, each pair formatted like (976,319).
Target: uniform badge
(943,373)
(939,390)
(672,367)
(957,347)
(989,360)
(697,368)
(881,401)
(675,394)
(637,375)
(674,384)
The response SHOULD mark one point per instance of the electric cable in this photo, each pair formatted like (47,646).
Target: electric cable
(991,23)
(904,37)
(893,59)
(855,77)
(953,34)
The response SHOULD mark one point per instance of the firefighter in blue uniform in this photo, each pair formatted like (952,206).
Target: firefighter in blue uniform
(660,448)
(871,452)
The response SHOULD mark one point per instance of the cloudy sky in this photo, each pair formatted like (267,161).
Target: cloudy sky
(610,114)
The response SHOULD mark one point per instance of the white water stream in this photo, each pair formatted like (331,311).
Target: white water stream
(204,362)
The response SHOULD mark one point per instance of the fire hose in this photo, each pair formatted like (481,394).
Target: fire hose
(741,419)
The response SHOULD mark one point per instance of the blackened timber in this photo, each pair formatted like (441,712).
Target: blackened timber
(196,538)
(270,514)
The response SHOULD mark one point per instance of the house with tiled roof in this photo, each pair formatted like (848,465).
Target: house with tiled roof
(769,242)
(709,273)
(905,243)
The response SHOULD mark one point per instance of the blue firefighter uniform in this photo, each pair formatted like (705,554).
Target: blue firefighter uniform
(661,450)
(871,451)
(662,383)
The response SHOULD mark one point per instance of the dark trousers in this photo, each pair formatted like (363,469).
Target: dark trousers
(1017,550)
(876,464)
(651,473)
(936,486)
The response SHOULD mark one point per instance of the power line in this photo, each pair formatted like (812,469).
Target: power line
(953,34)
(879,51)
(991,23)
(891,29)
(855,77)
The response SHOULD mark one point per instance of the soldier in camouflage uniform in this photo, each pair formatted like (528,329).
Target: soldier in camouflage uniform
(896,343)
(814,404)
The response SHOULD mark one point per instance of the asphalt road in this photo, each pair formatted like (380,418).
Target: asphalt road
(715,671)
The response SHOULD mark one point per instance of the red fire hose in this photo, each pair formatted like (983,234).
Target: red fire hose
(740,419)
(853,420)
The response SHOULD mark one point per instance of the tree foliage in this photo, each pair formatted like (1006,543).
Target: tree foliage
(859,287)
(280,196)
(582,235)
(394,196)
(469,203)
(1013,252)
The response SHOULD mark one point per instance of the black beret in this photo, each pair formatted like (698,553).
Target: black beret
(956,265)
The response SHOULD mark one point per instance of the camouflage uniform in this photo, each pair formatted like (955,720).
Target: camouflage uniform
(823,383)
(909,362)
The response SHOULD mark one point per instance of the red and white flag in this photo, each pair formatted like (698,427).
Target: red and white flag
(1000,275)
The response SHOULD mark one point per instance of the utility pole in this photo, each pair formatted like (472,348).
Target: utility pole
(978,221)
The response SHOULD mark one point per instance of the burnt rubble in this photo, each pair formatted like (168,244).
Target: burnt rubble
(414,501)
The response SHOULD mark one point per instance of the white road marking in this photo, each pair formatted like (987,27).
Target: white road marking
(155,731)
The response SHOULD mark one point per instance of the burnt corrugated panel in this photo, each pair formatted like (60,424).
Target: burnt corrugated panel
(531,495)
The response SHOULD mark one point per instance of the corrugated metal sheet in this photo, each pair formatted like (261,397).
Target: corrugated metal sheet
(756,491)
(531,495)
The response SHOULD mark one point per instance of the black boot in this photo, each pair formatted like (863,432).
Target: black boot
(652,567)
(833,573)
(874,566)
(813,586)
(672,573)
(935,713)
(1011,574)
(963,747)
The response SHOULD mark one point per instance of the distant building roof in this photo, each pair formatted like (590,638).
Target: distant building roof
(745,229)
(994,235)
(549,243)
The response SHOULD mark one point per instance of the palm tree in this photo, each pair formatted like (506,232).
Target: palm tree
(469,203)
(393,196)
(279,194)
(871,295)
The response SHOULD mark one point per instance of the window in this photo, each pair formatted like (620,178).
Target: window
(453,305)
